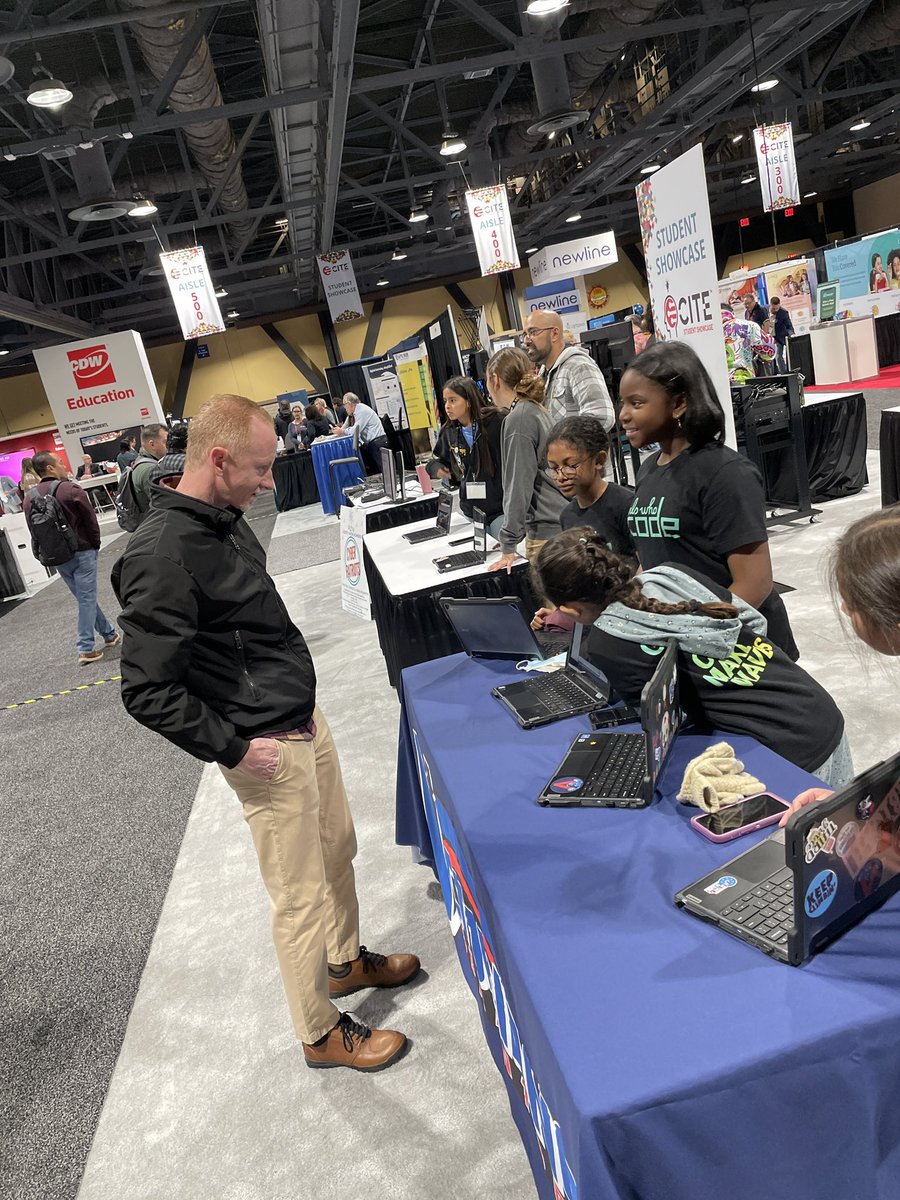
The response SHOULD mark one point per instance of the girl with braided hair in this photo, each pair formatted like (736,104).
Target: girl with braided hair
(732,677)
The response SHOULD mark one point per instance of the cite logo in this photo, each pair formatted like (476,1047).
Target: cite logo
(671,312)
(91,366)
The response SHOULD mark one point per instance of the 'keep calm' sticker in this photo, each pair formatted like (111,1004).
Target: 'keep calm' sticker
(820,893)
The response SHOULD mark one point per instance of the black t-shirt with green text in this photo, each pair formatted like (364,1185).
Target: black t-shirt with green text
(696,510)
(756,691)
(608,516)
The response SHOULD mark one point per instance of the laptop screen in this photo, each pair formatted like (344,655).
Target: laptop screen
(389,474)
(847,849)
(445,511)
(479,530)
(489,628)
(661,710)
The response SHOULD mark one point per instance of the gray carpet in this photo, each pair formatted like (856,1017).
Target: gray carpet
(93,809)
(310,548)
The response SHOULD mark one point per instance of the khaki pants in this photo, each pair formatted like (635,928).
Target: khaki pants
(305,842)
(532,546)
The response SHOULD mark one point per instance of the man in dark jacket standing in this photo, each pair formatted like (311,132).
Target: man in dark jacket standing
(80,572)
(783,329)
(212,661)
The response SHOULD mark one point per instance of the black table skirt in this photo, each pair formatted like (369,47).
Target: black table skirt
(295,481)
(11,582)
(836,443)
(890,457)
(413,629)
(401,514)
(887,339)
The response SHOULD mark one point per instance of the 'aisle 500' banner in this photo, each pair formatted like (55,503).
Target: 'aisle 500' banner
(673,206)
(492,226)
(777,166)
(193,293)
(339,283)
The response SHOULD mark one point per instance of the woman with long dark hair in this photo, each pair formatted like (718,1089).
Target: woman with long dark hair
(468,450)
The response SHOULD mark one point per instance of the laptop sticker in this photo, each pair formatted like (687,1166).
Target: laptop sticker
(868,879)
(820,894)
(846,837)
(722,884)
(865,808)
(819,838)
(569,783)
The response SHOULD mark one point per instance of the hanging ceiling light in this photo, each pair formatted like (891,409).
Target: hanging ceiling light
(738,137)
(649,168)
(417,214)
(532,250)
(451,145)
(748,179)
(574,217)
(765,85)
(398,255)
(45,91)
(809,195)
(4,352)
(382,282)
(220,292)
(543,8)
(860,123)
(233,315)
(143,206)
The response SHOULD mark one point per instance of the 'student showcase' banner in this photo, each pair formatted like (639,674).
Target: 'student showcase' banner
(673,206)
(339,283)
(493,229)
(193,292)
(777,166)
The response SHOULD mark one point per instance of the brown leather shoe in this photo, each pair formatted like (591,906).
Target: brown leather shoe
(351,1044)
(374,970)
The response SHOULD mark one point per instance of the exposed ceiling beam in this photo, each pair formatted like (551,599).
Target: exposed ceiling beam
(346,19)
(40,31)
(27,313)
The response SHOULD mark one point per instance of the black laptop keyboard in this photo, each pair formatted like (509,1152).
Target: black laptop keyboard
(621,768)
(468,558)
(424,535)
(767,910)
(559,691)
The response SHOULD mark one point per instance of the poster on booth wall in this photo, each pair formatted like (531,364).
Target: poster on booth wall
(418,392)
(795,286)
(777,166)
(868,272)
(386,393)
(354,584)
(97,386)
(339,285)
(493,229)
(673,207)
(193,292)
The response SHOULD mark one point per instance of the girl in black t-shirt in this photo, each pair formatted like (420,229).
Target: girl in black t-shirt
(468,450)
(697,502)
(731,676)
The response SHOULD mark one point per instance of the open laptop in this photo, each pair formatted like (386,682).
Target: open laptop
(834,862)
(578,688)
(441,526)
(620,770)
(467,558)
(490,627)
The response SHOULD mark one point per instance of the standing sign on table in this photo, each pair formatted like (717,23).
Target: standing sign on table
(681,266)
(354,585)
(97,386)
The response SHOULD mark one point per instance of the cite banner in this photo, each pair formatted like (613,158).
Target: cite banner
(98,386)
(493,229)
(193,292)
(777,166)
(339,285)
(673,206)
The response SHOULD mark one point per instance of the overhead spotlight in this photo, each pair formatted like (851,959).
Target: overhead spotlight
(143,206)
(220,292)
(451,145)
(9,156)
(551,135)
(809,195)
(417,214)
(748,179)
(532,250)
(649,168)
(398,255)
(860,123)
(233,315)
(4,352)
(765,85)
(574,217)
(127,135)
(738,137)
(543,8)
(382,282)
(7,69)
(45,91)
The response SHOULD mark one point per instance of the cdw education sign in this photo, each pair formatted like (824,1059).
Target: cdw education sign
(97,386)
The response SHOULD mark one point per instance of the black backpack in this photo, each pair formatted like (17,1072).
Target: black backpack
(53,540)
(129,513)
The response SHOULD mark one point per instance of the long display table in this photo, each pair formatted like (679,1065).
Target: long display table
(646,1054)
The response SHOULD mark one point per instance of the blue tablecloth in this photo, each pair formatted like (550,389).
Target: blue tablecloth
(323,450)
(646,1054)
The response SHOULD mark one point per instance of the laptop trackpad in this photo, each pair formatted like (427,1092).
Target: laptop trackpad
(717,891)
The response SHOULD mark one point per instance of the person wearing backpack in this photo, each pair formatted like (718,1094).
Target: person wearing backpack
(154,442)
(65,535)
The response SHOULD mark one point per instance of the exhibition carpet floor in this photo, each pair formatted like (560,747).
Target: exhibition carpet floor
(887,378)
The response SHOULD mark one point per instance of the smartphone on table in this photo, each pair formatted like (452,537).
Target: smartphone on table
(745,816)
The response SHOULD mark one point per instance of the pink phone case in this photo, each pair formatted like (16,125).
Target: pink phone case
(424,480)
(741,829)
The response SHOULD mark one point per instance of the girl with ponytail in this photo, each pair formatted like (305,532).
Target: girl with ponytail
(531,503)
(732,677)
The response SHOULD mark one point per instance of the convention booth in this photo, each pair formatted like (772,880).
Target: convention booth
(645,1053)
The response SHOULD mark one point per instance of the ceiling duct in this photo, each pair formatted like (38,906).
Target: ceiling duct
(159,184)
(96,195)
(211,142)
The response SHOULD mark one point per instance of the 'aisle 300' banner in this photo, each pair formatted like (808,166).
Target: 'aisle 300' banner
(193,293)
(777,166)
(492,226)
(339,283)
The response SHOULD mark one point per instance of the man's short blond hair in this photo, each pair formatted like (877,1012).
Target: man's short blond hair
(225,421)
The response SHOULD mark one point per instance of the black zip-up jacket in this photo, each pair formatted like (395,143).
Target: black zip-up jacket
(450,450)
(210,657)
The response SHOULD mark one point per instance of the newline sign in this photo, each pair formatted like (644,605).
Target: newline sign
(578,257)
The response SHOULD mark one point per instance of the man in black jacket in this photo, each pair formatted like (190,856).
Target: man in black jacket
(212,661)
(784,328)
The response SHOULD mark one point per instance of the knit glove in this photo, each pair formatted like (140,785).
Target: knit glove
(715,778)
